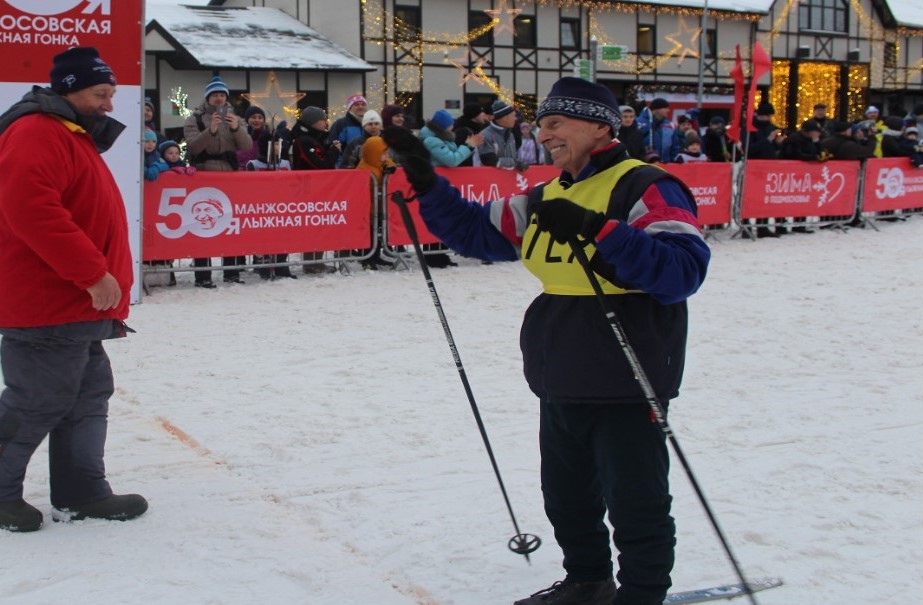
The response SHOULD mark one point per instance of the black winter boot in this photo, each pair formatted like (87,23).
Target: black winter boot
(19,515)
(112,508)
(570,592)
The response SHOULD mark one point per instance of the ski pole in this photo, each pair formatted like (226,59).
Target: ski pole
(656,407)
(521,544)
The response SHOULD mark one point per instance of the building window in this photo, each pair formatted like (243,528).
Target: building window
(711,44)
(525,31)
(570,33)
(824,15)
(316,98)
(480,22)
(646,40)
(407,22)
(527,104)
(413,108)
(890,57)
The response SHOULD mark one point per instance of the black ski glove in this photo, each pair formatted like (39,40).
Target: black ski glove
(413,156)
(565,220)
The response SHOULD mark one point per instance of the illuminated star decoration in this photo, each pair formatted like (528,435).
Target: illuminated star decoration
(273,101)
(685,49)
(495,15)
(477,70)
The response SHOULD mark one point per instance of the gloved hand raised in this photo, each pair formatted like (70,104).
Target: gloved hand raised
(413,157)
(565,220)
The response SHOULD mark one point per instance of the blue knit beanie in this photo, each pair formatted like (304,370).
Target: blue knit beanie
(443,119)
(216,84)
(149,135)
(162,148)
(500,109)
(583,100)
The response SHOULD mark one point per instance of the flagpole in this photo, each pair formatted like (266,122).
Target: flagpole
(702,47)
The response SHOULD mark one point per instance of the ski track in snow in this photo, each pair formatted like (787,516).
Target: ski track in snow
(309,441)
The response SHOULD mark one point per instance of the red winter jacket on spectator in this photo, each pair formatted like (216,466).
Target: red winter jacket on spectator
(62,223)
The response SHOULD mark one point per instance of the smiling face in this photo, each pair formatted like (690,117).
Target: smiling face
(359,108)
(256,121)
(93,101)
(150,145)
(571,141)
(206,213)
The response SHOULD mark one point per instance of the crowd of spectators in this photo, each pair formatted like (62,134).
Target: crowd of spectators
(493,135)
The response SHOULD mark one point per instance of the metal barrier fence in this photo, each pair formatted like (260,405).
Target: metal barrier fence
(335,216)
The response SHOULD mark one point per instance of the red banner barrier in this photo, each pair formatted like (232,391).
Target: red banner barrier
(892,184)
(711,185)
(238,213)
(774,188)
(480,185)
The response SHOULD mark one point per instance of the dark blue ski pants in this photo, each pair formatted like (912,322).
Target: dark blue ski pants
(599,457)
(58,383)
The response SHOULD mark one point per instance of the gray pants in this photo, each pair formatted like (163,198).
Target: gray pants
(58,383)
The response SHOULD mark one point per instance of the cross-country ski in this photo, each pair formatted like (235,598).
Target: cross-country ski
(717,593)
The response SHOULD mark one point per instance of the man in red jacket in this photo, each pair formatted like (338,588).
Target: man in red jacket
(65,274)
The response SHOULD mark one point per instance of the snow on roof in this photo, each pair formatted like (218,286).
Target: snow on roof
(250,38)
(733,6)
(907,14)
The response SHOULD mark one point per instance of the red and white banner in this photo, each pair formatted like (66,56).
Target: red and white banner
(892,184)
(711,185)
(480,185)
(238,213)
(774,188)
(32,32)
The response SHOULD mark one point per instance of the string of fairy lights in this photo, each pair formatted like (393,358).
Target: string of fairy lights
(817,82)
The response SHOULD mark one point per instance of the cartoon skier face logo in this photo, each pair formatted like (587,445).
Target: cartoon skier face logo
(207,213)
(210,211)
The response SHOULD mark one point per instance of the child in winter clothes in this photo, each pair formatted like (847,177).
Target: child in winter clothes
(376,159)
(530,152)
(170,153)
(693,150)
(153,165)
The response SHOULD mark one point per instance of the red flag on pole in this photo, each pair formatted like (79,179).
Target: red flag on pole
(761,65)
(737,74)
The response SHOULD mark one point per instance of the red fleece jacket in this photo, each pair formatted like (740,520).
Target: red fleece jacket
(62,225)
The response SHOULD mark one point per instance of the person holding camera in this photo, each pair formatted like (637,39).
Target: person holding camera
(214,134)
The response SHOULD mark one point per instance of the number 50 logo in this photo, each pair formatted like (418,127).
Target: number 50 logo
(890,183)
(205,212)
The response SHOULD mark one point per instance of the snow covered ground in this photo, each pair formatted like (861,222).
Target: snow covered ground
(309,441)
